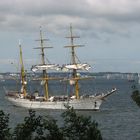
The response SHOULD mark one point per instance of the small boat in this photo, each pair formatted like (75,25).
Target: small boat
(77,101)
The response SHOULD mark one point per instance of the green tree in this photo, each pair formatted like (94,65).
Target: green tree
(136,97)
(35,127)
(77,127)
(27,129)
(4,126)
(51,129)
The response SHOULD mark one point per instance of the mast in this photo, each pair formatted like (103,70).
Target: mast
(45,75)
(23,75)
(73,59)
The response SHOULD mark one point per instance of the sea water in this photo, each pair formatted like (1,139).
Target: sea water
(118,118)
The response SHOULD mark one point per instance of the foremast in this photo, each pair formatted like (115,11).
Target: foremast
(73,61)
(45,75)
(23,74)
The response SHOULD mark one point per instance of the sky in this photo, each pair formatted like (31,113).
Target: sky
(108,29)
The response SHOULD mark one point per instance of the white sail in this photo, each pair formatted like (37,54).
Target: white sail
(45,67)
(78,66)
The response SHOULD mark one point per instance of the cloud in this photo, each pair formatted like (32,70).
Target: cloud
(109,16)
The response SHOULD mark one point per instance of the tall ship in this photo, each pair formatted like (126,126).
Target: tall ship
(47,101)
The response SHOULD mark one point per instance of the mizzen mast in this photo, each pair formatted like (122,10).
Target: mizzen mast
(23,75)
(73,60)
(45,75)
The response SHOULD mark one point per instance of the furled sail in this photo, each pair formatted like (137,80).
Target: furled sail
(78,66)
(45,67)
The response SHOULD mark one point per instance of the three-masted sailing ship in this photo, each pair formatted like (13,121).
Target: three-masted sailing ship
(77,101)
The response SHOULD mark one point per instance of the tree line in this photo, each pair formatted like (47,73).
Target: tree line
(75,127)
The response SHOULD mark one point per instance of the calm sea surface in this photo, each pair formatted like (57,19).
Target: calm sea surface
(118,118)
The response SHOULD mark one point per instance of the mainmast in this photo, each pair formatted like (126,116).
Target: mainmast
(73,60)
(23,75)
(45,75)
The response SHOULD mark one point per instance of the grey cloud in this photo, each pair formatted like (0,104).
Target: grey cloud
(108,16)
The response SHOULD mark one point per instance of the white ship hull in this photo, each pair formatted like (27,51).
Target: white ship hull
(78,104)
(86,103)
